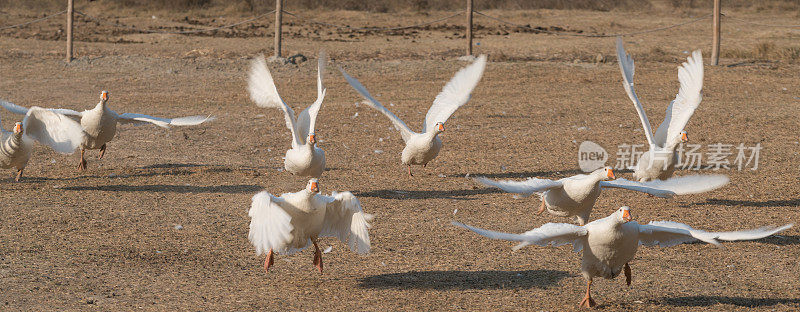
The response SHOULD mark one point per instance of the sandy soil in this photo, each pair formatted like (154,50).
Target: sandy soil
(109,239)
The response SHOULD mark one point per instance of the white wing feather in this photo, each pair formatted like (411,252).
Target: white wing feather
(556,234)
(405,131)
(753,234)
(455,93)
(627,68)
(345,219)
(14,108)
(667,234)
(59,132)
(163,122)
(693,184)
(690,75)
(270,225)
(526,188)
(264,93)
(307,119)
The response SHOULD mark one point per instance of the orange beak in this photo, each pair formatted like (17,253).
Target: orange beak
(17,128)
(312,138)
(611,174)
(626,215)
(314,187)
(104,95)
(684,137)
(441,127)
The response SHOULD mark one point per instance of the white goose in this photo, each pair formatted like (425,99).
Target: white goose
(576,195)
(291,222)
(99,125)
(304,158)
(62,134)
(424,147)
(610,243)
(659,162)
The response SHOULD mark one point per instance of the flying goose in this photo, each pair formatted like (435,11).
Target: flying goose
(62,134)
(100,123)
(424,147)
(291,222)
(610,243)
(304,158)
(575,195)
(659,162)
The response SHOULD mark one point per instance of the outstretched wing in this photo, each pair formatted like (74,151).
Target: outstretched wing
(668,233)
(345,219)
(59,132)
(270,225)
(405,131)
(163,122)
(264,94)
(627,68)
(526,188)
(455,93)
(753,234)
(556,234)
(674,186)
(14,108)
(690,75)
(308,117)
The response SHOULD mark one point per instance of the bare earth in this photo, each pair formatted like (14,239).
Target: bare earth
(108,238)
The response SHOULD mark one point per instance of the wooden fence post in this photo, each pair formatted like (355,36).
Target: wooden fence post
(278,15)
(469,27)
(69,29)
(716,30)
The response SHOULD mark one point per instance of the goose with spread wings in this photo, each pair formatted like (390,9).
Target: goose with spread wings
(659,162)
(576,195)
(57,131)
(304,158)
(610,243)
(423,147)
(99,125)
(291,222)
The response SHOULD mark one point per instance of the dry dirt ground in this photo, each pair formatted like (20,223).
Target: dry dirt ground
(109,239)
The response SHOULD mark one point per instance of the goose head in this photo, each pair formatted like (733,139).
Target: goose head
(684,136)
(312,139)
(604,174)
(103,98)
(18,129)
(623,214)
(439,127)
(313,186)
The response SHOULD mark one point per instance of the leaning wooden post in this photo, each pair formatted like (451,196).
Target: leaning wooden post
(278,15)
(716,30)
(469,27)
(69,30)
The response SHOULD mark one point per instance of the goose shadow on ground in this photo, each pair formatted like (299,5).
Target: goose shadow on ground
(452,194)
(183,189)
(748,203)
(705,301)
(465,279)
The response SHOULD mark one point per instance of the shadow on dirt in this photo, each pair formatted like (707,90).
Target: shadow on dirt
(183,189)
(704,301)
(465,279)
(399,194)
(749,203)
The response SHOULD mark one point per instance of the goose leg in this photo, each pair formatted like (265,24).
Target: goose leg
(541,208)
(19,175)
(82,165)
(587,301)
(317,255)
(269,261)
(409,171)
(627,269)
(102,151)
